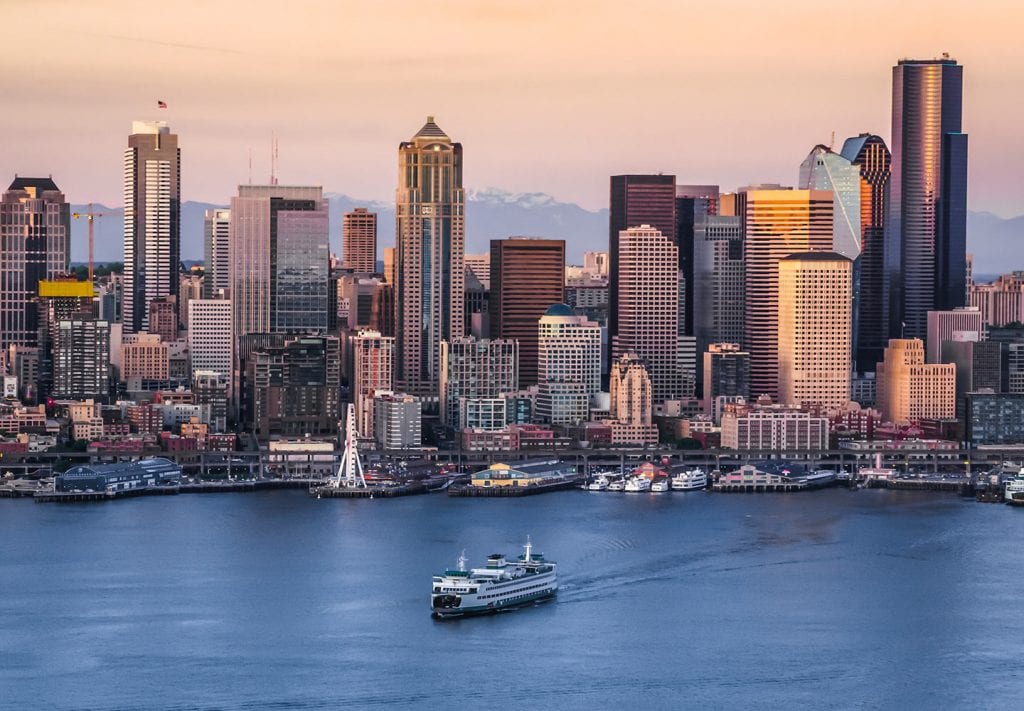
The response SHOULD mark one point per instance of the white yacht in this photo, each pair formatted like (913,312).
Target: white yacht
(599,484)
(617,485)
(1013,493)
(638,484)
(660,486)
(690,480)
(499,585)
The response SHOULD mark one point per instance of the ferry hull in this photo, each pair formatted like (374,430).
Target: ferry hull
(449,613)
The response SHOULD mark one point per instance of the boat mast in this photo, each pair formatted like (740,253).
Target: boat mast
(350,472)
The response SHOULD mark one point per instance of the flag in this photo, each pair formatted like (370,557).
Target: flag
(161,104)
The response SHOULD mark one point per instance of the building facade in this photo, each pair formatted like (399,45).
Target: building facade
(81,359)
(359,240)
(719,289)
(211,336)
(568,366)
(429,250)
(726,375)
(909,390)
(397,421)
(152,220)
(774,428)
(373,371)
(962,324)
(472,368)
(217,254)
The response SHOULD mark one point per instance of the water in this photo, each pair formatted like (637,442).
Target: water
(831,599)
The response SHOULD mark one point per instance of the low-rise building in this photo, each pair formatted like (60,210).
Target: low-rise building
(774,428)
(530,473)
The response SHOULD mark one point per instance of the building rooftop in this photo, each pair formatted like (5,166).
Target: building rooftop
(430,130)
(559,310)
(40,184)
(815,257)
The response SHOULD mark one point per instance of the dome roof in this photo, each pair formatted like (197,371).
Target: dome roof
(559,310)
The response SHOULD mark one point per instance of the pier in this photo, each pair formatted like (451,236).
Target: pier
(370,491)
(528,490)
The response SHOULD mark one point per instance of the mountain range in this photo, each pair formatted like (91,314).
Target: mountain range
(997,243)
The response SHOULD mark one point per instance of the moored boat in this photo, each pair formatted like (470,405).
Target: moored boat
(637,484)
(690,480)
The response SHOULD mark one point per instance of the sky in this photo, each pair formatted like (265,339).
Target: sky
(545,95)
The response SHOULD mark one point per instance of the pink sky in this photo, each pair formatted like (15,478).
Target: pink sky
(546,96)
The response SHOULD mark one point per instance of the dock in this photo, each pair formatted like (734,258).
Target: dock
(370,491)
(786,488)
(964,487)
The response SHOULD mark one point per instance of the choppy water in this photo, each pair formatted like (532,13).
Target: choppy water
(831,599)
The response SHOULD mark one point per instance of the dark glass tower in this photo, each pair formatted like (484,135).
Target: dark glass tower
(927,267)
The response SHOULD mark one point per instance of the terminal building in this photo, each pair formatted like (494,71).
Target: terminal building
(119,477)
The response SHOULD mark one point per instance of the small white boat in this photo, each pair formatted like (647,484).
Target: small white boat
(617,485)
(599,484)
(637,484)
(690,480)
(660,486)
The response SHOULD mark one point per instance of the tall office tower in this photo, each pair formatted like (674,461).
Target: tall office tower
(824,169)
(928,197)
(910,390)
(961,324)
(373,369)
(429,249)
(694,203)
(81,358)
(476,369)
(152,220)
(814,329)
(217,254)
(719,290)
(279,253)
(568,365)
(648,297)
(629,387)
(726,376)
(527,276)
(477,298)
(59,300)
(481,266)
(34,245)
(163,318)
(210,339)
(871,157)
(778,223)
(980,365)
(359,241)
(636,200)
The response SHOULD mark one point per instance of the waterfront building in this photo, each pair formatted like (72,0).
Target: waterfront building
(719,289)
(123,476)
(293,389)
(359,240)
(279,259)
(217,254)
(373,370)
(649,317)
(472,368)
(777,223)
(726,375)
(874,325)
(152,220)
(960,324)
(35,237)
(527,276)
(210,335)
(81,358)
(773,428)
(994,419)
(814,329)
(568,365)
(429,267)
(636,200)
(909,390)
(397,421)
(523,474)
(928,195)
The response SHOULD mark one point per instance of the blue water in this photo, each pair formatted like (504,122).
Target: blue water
(831,599)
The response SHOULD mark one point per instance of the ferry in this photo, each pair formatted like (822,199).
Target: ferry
(499,585)
(1014,491)
(692,480)
(637,484)
(599,484)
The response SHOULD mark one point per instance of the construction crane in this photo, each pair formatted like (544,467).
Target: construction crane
(90,216)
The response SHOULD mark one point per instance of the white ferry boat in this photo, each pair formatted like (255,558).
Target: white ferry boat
(599,484)
(1013,493)
(617,485)
(638,484)
(660,486)
(499,585)
(690,480)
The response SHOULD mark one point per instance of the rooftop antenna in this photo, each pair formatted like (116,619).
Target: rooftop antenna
(832,144)
(250,166)
(273,159)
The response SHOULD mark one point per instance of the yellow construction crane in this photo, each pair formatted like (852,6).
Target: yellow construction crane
(90,216)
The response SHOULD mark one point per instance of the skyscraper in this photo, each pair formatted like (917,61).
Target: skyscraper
(726,375)
(871,156)
(152,220)
(694,203)
(814,329)
(928,198)
(279,254)
(823,169)
(429,249)
(527,276)
(719,291)
(568,365)
(778,223)
(34,246)
(373,371)
(217,254)
(472,368)
(636,200)
(359,240)
(649,318)
(910,390)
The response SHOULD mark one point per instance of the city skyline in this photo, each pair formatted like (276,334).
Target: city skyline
(489,96)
